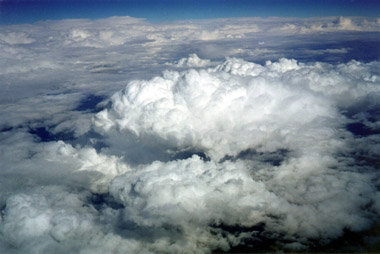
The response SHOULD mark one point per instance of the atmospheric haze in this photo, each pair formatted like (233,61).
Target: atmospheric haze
(205,136)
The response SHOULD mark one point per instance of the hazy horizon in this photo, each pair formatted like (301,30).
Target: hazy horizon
(27,11)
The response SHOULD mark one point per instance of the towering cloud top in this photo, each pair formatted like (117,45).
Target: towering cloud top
(222,111)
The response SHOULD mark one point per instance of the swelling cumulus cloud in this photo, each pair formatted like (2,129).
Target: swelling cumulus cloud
(209,146)
(235,114)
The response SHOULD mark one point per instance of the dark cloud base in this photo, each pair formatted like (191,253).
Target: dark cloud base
(349,242)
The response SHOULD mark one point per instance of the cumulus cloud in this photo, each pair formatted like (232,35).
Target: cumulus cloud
(192,61)
(238,100)
(279,125)
(112,141)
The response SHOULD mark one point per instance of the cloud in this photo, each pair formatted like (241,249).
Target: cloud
(192,61)
(16,38)
(55,220)
(238,100)
(234,114)
(120,135)
(326,26)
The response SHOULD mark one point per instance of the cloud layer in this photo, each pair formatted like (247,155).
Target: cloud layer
(105,148)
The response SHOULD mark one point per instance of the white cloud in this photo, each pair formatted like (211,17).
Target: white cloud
(222,111)
(192,61)
(326,26)
(16,38)
(287,111)
(55,220)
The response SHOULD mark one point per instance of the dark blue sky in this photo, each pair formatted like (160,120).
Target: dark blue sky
(15,11)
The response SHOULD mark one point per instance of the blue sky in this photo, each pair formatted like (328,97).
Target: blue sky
(15,12)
